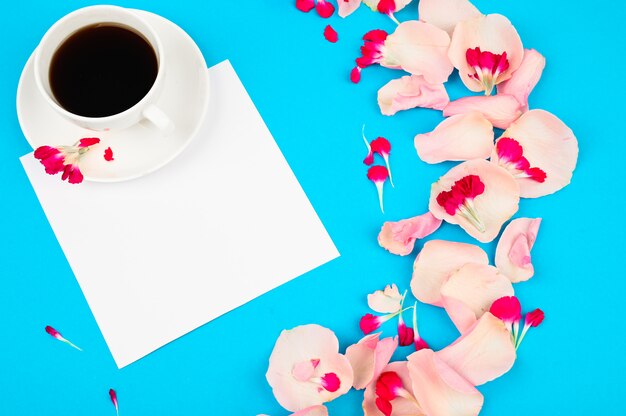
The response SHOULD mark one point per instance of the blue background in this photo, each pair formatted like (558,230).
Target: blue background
(572,365)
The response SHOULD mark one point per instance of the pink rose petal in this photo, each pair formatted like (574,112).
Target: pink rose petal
(436,262)
(500,110)
(368,357)
(330,34)
(513,250)
(460,137)
(524,79)
(411,91)
(399,237)
(445,14)
(388,300)
(347,7)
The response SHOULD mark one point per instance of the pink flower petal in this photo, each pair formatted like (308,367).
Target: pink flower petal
(439,389)
(436,262)
(388,300)
(508,309)
(400,406)
(108,154)
(460,137)
(523,81)
(548,145)
(347,7)
(470,291)
(406,334)
(57,335)
(493,34)
(303,344)
(305,5)
(484,353)
(421,49)
(113,397)
(324,8)
(500,110)
(534,318)
(513,250)
(330,34)
(319,410)
(52,159)
(445,14)
(368,357)
(378,175)
(409,92)
(399,237)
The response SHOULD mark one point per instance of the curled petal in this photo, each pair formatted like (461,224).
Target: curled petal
(513,251)
(436,262)
(445,14)
(400,406)
(470,291)
(439,389)
(493,34)
(388,300)
(399,237)
(547,144)
(523,81)
(411,91)
(460,137)
(500,110)
(492,208)
(368,357)
(484,353)
(347,7)
(421,49)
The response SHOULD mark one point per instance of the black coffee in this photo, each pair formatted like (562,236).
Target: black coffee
(102,70)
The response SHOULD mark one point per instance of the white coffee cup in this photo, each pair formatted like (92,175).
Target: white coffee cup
(145,109)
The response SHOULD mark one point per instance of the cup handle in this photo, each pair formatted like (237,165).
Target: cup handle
(157,117)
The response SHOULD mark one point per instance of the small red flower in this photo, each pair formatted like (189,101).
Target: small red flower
(488,67)
(108,154)
(330,34)
(460,198)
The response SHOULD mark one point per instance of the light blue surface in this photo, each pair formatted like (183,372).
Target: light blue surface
(572,365)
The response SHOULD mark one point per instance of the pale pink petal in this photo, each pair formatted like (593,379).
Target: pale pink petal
(436,262)
(483,353)
(399,237)
(319,410)
(523,81)
(347,7)
(445,14)
(411,91)
(401,406)
(549,145)
(470,291)
(500,110)
(493,207)
(420,49)
(307,343)
(373,4)
(439,389)
(388,300)
(513,251)
(460,137)
(368,357)
(491,33)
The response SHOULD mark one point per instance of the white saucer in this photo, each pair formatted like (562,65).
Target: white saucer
(140,149)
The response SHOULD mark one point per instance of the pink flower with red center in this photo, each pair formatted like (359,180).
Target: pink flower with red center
(487,67)
(65,159)
(378,175)
(113,397)
(508,309)
(330,34)
(511,157)
(460,196)
(323,7)
(57,335)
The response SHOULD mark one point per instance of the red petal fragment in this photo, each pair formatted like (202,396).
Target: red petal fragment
(324,8)
(420,344)
(534,318)
(305,5)
(355,75)
(331,382)
(369,159)
(52,332)
(330,34)
(88,141)
(108,154)
(405,335)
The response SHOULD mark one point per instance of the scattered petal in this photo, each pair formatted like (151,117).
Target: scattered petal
(419,343)
(420,49)
(508,309)
(513,250)
(57,335)
(549,152)
(113,397)
(523,81)
(533,319)
(406,335)
(304,344)
(382,146)
(399,237)
(411,91)
(368,357)
(483,353)
(370,323)
(388,300)
(373,52)
(500,110)
(108,154)
(305,5)
(88,142)
(400,406)
(471,291)
(330,34)
(445,14)
(460,137)
(436,262)
(324,8)
(483,215)
(65,159)
(388,385)
(347,7)
(378,175)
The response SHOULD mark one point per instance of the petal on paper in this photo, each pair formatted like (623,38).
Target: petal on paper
(400,406)
(513,251)
(411,91)
(548,144)
(368,357)
(470,291)
(492,33)
(484,353)
(388,300)
(439,389)
(500,110)
(523,81)
(307,343)
(347,7)
(493,207)
(445,14)
(460,137)
(436,262)
(421,49)
(399,237)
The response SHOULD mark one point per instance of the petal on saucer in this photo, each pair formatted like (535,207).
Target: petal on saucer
(513,251)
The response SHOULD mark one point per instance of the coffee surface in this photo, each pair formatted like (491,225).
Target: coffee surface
(102,70)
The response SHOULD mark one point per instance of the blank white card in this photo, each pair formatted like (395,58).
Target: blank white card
(159,256)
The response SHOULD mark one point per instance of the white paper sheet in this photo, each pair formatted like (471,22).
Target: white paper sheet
(162,255)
